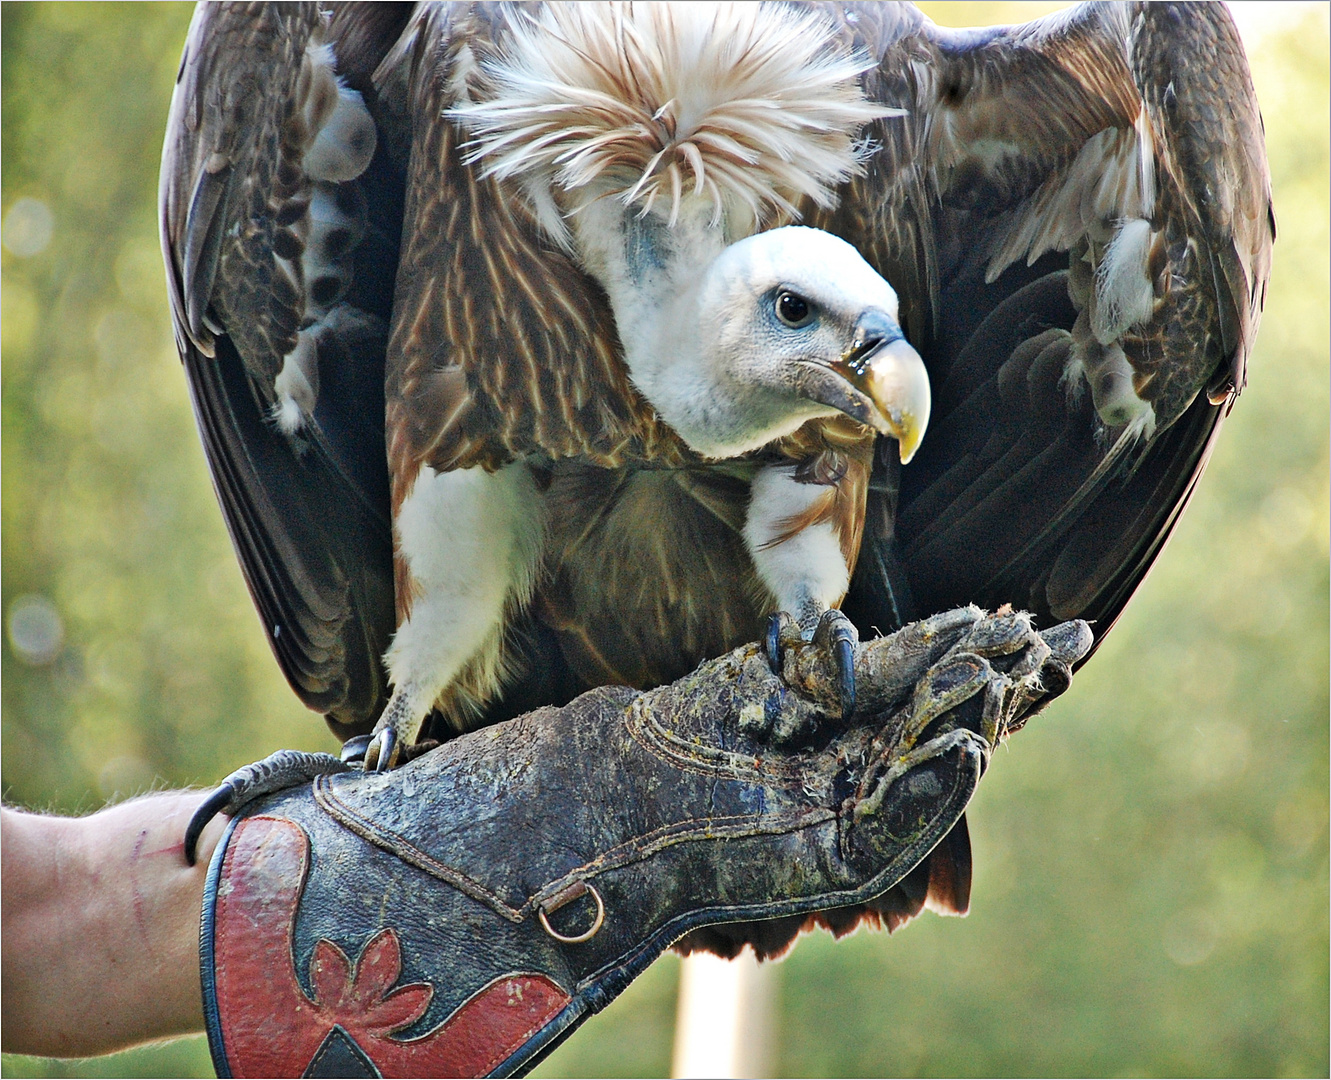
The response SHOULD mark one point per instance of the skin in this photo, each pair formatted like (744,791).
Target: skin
(100,921)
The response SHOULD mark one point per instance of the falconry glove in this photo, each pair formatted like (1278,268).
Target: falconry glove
(463,914)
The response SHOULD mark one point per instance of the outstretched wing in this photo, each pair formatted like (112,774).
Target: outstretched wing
(1077,211)
(996,206)
(280,272)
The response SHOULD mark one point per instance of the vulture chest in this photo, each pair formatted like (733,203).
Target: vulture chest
(647,572)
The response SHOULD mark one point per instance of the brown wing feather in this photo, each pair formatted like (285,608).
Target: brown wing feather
(364,34)
(239,72)
(309,520)
(1013,468)
(1014,496)
(501,346)
(1213,151)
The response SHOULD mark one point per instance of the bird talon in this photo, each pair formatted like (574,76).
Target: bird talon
(277,772)
(782,632)
(773,643)
(837,634)
(355,748)
(218,801)
(383,751)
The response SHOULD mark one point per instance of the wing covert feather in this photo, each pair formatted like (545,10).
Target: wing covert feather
(1023,144)
(222,154)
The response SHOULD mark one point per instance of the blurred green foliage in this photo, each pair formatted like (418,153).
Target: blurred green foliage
(1151,863)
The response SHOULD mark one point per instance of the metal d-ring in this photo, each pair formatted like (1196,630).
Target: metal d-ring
(573,892)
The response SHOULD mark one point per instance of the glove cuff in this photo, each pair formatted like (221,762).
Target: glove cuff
(341,1016)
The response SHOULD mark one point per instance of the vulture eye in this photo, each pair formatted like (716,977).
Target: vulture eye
(793,310)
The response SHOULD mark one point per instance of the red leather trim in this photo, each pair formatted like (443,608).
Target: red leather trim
(271,1027)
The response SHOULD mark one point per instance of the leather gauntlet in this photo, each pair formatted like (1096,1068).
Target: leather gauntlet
(461,915)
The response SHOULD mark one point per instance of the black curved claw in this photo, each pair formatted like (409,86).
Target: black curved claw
(218,801)
(838,633)
(781,629)
(387,740)
(773,643)
(354,748)
(277,772)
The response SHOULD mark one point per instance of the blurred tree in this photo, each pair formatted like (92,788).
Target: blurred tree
(1151,878)
(110,528)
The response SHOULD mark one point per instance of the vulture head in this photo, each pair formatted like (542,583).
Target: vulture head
(658,145)
(782,327)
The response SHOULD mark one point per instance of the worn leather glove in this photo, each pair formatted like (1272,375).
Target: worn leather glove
(460,916)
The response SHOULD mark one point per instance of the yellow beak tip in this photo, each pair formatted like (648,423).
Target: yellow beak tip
(909,440)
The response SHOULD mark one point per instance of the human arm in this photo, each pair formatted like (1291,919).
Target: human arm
(101,927)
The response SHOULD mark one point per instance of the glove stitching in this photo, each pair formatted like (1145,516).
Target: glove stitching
(648,733)
(637,849)
(737,826)
(394,844)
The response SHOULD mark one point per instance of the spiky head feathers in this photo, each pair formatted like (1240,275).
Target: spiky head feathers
(744,105)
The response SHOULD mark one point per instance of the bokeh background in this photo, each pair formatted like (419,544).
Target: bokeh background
(1151,856)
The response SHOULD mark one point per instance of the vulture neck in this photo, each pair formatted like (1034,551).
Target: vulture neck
(655,275)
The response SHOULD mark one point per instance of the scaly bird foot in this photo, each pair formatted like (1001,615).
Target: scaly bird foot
(383,752)
(829,646)
(393,741)
(837,634)
(353,750)
(284,769)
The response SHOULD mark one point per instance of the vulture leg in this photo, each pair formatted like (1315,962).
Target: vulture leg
(468,546)
(795,542)
(794,535)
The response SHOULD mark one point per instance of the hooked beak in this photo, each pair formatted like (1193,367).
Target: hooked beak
(883,368)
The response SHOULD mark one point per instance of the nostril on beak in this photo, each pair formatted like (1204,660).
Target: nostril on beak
(873,330)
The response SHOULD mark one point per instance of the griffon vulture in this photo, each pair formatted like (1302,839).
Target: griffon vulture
(536,347)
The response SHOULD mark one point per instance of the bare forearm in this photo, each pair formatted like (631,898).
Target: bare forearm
(100,927)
